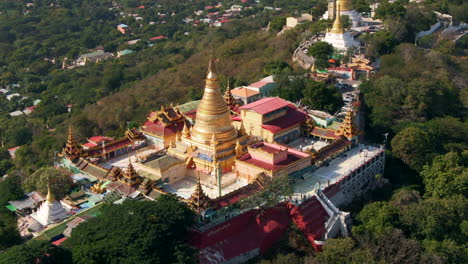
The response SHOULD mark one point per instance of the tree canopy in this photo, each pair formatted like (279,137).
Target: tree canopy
(135,232)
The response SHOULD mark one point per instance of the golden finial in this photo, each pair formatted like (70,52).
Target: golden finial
(337,27)
(211,73)
(50,197)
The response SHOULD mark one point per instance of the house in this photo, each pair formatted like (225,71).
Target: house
(246,95)
(10,96)
(12,151)
(94,57)
(16,113)
(236,8)
(265,86)
(29,110)
(124,52)
(157,38)
(292,22)
(122,28)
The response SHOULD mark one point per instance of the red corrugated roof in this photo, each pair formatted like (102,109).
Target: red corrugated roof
(97,150)
(293,117)
(90,144)
(59,241)
(266,105)
(258,84)
(99,139)
(158,37)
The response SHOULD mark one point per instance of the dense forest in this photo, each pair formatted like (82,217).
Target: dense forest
(418,97)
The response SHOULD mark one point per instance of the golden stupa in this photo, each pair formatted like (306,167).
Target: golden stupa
(213,115)
(337,26)
(213,138)
(344,5)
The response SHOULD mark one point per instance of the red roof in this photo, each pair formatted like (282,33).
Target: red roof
(324,133)
(159,129)
(339,69)
(141,7)
(59,241)
(224,21)
(13,149)
(293,117)
(258,84)
(99,139)
(31,108)
(292,156)
(208,7)
(157,38)
(121,143)
(90,144)
(310,217)
(244,233)
(266,105)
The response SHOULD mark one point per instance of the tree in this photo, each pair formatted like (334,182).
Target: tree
(321,51)
(9,235)
(276,67)
(378,218)
(446,176)
(318,95)
(413,146)
(60,183)
(343,251)
(135,232)
(277,23)
(10,189)
(274,189)
(37,251)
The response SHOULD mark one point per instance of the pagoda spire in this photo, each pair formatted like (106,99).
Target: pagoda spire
(50,198)
(72,149)
(230,100)
(348,128)
(199,200)
(337,26)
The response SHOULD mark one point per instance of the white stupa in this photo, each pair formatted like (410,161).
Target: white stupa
(50,211)
(343,7)
(339,39)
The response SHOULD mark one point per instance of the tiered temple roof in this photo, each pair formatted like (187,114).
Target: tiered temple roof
(199,200)
(130,176)
(72,149)
(348,128)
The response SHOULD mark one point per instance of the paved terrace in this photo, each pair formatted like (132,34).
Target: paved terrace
(337,169)
(185,188)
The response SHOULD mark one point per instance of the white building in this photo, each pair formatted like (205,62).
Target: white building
(343,7)
(339,39)
(51,211)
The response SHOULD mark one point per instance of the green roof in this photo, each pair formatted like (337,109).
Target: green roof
(189,106)
(11,208)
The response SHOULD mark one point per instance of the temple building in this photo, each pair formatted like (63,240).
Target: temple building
(348,127)
(271,119)
(342,7)
(273,160)
(213,138)
(51,211)
(338,38)
(162,127)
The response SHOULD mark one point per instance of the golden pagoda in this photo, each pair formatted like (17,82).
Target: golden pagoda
(348,128)
(213,115)
(213,137)
(72,149)
(344,5)
(337,26)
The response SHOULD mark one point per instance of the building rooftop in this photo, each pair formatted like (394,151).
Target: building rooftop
(266,105)
(293,117)
(244,92)
(337,169)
